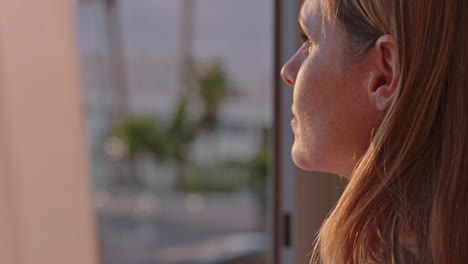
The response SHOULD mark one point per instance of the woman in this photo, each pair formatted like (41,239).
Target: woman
(381,98)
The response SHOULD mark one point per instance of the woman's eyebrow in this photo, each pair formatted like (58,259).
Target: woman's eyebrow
(303,26)
(305,29)
(303,18)
(302,23)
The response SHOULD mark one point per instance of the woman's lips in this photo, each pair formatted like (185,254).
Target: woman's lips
(293,121)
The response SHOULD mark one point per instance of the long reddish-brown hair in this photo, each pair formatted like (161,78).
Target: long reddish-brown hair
(407,199)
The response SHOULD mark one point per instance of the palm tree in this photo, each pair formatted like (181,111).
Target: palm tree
(126,170)
(179,135)
(187,30)
(164,142)
(214,90)
(170,141)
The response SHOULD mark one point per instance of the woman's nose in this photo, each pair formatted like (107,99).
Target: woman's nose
(286,75)
(289,72)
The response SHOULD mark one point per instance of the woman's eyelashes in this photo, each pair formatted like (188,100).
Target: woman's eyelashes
(306,39)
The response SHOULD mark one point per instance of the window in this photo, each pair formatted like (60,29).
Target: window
(178,98)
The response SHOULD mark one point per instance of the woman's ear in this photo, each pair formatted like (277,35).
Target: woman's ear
(385,75)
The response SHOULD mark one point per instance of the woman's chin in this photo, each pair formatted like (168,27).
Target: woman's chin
(303,159)
(310,161)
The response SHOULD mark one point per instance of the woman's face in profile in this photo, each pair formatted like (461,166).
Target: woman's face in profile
(334,116)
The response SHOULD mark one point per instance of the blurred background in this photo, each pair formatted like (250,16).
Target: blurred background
(178,99)
(152,132)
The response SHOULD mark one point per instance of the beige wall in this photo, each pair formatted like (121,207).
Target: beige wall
(45,207)
(316,193)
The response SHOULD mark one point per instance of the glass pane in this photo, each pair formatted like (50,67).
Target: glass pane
(179,112)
